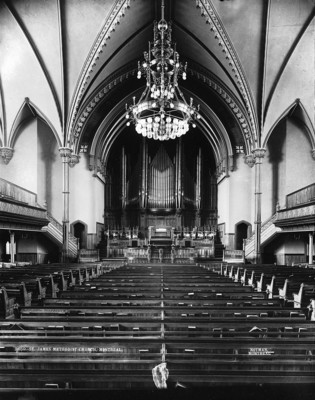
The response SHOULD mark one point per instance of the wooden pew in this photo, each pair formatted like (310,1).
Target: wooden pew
(7,304)
(19,292)
(179,313)
(161,314)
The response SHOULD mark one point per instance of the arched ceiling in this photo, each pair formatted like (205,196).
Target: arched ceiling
(76,61)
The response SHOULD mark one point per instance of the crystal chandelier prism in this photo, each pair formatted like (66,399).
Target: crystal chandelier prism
(162,112)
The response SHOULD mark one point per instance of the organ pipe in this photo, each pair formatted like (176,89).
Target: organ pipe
(146,174)
(198,183)
(167,187)
(178,188)
(142,196)
(124,178)
(161,183)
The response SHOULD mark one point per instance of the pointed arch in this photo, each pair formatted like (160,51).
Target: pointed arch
(79,230)
(213,129)
(298,111)
(117,12)
(286,62)
(27,112)
(38,56)
(243,230)
(209,12)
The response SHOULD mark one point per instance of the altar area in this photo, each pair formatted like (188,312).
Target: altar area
(161,245)
(160,201)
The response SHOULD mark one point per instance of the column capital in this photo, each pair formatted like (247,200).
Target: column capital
(259,154)
(65,152)
(73,160)
(249,160)
(313,153)
(6,153)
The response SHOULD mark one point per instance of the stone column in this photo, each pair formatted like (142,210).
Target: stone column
(258,155)
(310,247)
(65,153)
(12,247)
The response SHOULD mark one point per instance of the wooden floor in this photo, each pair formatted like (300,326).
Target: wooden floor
(109,329)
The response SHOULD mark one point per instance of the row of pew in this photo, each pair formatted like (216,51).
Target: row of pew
(292,284)
(145,326)
(22,284)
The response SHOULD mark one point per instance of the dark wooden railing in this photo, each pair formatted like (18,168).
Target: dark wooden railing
(301,196)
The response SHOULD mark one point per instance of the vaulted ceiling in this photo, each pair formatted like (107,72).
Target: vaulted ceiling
(76,61)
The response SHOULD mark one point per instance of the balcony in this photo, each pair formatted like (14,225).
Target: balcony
(301,217)
(299,213)
(19,209)
(298,216)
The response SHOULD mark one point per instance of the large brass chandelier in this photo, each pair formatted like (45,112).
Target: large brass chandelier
(162,112)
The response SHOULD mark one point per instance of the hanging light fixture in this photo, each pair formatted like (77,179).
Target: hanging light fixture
(162,112)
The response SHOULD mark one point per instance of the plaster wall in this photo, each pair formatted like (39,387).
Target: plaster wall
(223,202)
(22,169)
(287,167)
(239,207)
(86,196)
(240,185)
(21,74)
(300,166)
(49,171)
(296,81)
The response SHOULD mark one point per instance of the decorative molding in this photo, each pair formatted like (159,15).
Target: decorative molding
(249,160)
(87,110)
(65,152)
(114,19)
(313,153)
(231,103)
(216,27)
(73,160)
(259,154)
(6,153)
(255,157)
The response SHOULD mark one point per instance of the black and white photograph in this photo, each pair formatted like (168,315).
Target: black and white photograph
(157,199)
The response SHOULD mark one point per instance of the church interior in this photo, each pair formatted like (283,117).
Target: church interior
(157,196)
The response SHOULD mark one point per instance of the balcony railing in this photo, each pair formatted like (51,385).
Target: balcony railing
(299,214)
(55,229)
(12,192)
(22,210)
(301,196)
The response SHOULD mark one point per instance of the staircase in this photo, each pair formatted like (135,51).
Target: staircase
(54,231)
(268,232)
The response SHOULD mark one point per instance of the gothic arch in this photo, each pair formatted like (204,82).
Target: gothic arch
(79,230)
(27,112)
(243,230)
(296,109)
